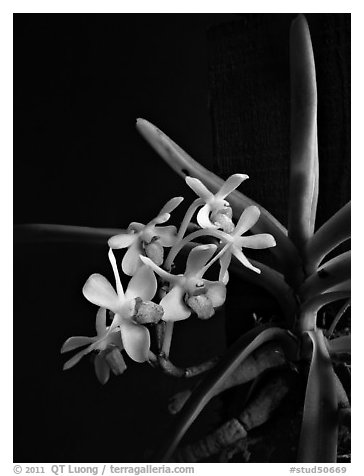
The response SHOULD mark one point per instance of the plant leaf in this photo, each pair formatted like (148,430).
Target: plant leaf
(319,432)
(328,276)
(340,345)
(47,233)
(333,232)
(304,156)
(310,308)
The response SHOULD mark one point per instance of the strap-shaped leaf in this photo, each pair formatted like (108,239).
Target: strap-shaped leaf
(328,276)
(337,318)
(333,232)
(309,310)
(340,345)
(44,233)
(304,156)
(184,165)
(240,350)
(319,432)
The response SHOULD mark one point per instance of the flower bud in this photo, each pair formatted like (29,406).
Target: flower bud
(147,312)
(115,360)
(201,305)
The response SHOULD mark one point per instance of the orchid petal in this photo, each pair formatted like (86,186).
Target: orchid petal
(136,227)
(230,185)
(75,342)
(160,219)
(243,259)
(101,321)
(131,261)
(167,235)
(76,358)
(203,217)
(123,240)
(224,265)
(199,188)
(171,205)
(136,340)
(143,284)
(247,220)
(172,278)
(197,259)
(216,292)
(102,370)
(174,307)
(99,291)
(261,241)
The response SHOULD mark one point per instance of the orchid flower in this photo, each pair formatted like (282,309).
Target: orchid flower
(189,291)
(146,239)
(234,242)
(141,288)
(109,347)
(216,212)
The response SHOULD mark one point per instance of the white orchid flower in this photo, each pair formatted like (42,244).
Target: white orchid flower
(146,239)
(186,287)
(109,347)
(142,287)
(234,242)
(216,212)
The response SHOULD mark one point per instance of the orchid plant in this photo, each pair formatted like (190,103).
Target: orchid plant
(303,282)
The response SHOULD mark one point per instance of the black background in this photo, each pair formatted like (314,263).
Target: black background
(80,81)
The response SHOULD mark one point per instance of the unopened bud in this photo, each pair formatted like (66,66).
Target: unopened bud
(223,219)
(147,312)
(201,305)
(154,251)
(115,360)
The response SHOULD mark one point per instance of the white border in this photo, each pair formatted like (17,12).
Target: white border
(6,177)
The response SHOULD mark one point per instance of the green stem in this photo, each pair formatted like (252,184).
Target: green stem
(196,234)
(214,259)
(184,225)
(188,217)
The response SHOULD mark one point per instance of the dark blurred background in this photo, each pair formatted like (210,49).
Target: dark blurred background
(218,84)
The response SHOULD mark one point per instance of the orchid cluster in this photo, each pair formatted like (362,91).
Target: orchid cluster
(154,294)
(304,278)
